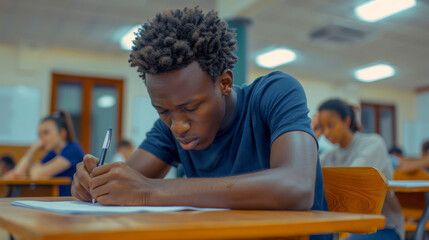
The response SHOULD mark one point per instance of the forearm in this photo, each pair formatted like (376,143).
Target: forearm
(411,165)
(25,162)
(269,189)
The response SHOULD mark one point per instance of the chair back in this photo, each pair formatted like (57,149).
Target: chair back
(355,189)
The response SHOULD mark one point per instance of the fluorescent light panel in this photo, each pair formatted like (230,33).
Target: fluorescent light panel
(374,72)
(127,39)
(106,101)
(375,10)
(275,57)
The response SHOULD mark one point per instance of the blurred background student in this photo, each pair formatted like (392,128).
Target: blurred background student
(395,156)
(409,165)
(124,150)
(57,138)
(337,121)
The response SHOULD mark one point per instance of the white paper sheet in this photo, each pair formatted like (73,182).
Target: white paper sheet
(77,207)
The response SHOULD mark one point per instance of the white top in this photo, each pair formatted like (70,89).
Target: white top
(369,150)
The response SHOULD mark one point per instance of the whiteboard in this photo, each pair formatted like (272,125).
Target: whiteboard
(144,116)
(19,114)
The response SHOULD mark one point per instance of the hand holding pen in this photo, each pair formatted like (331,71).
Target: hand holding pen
(104,149)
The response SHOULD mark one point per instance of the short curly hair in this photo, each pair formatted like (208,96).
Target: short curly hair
(176,38)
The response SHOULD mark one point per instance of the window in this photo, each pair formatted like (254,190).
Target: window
(381,119)
(95,104)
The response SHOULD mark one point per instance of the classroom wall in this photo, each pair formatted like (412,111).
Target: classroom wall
(33,66)
(417,131)
(317,91)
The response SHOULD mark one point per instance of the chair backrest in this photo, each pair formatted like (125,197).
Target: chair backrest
(354,189)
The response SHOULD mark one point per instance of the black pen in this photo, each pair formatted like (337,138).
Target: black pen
(106,146)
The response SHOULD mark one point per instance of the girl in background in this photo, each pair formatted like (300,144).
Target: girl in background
(57,138)
(337,121)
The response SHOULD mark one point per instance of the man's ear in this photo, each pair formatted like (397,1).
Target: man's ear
(225,82)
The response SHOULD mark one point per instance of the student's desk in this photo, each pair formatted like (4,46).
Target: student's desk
(414,186)
(30,224)
(52,183)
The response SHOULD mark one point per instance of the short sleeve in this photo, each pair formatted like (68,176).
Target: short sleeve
(72,153)
(48,156)
(160,142)
(283,105)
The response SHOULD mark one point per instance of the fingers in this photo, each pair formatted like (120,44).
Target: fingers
(100,191)
(116,166)
(90,162)
(78,191)
(105,200)
(99,180)
(82,176)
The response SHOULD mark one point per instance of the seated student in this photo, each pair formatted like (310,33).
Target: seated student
(337,121)
(6,164)
(124,150)
(395,156)
(247,147)
(56,137)
(409,165)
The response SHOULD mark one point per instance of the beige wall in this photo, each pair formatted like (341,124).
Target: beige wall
(32,66)
(318,91)
(24,65)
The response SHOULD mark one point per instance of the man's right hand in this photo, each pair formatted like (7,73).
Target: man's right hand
(80,185)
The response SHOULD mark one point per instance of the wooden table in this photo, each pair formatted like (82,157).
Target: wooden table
(31,224)
(52,183)
(414,186)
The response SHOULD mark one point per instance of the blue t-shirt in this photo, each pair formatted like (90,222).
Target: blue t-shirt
(272,105)
(73,153)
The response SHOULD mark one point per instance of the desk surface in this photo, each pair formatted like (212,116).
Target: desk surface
(409,185)
(34,224)
(27,181)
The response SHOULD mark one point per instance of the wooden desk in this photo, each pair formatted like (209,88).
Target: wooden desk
(414,186)
(31,224)
(51,183)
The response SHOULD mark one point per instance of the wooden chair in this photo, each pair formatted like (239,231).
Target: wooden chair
(354,189)
(412,204)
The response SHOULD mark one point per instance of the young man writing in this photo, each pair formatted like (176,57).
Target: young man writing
(246,147)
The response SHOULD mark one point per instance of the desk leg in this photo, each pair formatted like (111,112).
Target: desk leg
(420,230)
(55,190)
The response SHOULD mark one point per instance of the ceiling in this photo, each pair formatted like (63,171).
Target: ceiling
(402,39)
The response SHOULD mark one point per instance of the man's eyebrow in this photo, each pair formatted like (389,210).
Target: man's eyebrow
(180,105)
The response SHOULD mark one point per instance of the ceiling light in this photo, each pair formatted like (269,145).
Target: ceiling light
(275,57)
(106,101)
(375,10)
(374,72)
(127,39)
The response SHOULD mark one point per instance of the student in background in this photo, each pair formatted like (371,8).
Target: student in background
(57,138)
(409,165)
(395,155)
(337,121)
(6,164)
(124,150)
